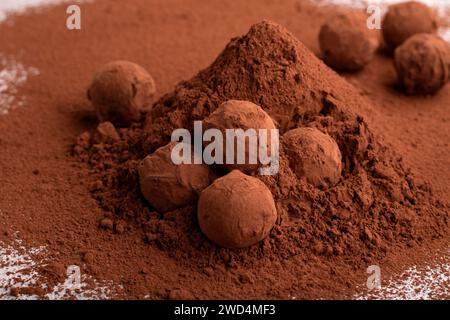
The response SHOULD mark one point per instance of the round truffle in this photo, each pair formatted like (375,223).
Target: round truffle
(245,115)
(168,186)
(121,92)
(346,42)
(313,155)
(406,19)
(105,133)
(236,211)
(423,64)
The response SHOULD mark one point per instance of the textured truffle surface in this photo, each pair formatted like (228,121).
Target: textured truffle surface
(423,64)
(121,92)
(168,186)
(313,155)
(346,42)
(406,19)
(236,114)
(236,211)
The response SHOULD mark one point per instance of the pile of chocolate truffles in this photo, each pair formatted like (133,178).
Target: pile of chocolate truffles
(409,31)
(423,64)
(235,210)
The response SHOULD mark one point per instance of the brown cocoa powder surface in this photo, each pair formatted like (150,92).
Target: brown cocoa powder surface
(85,201)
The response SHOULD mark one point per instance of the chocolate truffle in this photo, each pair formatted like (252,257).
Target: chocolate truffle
(423,64)
(168,186)
(121,92)
(236,211)
(346,42)
(406,19)
(236,114)
(313,155)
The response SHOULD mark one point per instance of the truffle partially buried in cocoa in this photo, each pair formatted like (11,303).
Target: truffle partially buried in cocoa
(313,155)
(423,64)
(404,20)
(346,42)
(168,186)
(236,211)
(121,92)
(245,115)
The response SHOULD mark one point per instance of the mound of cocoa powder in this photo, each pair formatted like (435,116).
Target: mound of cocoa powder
(378,206)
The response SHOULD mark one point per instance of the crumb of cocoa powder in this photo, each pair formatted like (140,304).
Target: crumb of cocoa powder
(180,294)
(107,224)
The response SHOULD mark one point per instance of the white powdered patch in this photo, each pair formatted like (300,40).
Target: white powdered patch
(431,281)
(19,268)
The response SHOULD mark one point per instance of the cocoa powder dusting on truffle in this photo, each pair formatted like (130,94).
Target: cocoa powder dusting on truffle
(423,64)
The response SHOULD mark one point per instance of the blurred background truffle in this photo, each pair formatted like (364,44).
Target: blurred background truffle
(121,92)
(406,19)
(346,43)
(236,211)
(423,64)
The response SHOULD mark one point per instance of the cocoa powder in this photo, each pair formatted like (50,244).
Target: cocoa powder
(376,207)
(84,202)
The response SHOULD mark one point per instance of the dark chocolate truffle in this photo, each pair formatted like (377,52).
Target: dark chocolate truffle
(168,186)
(121,92)
(406,19)
(236,114)
(423,64)
(346,42)
(313,155)
(236,211)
